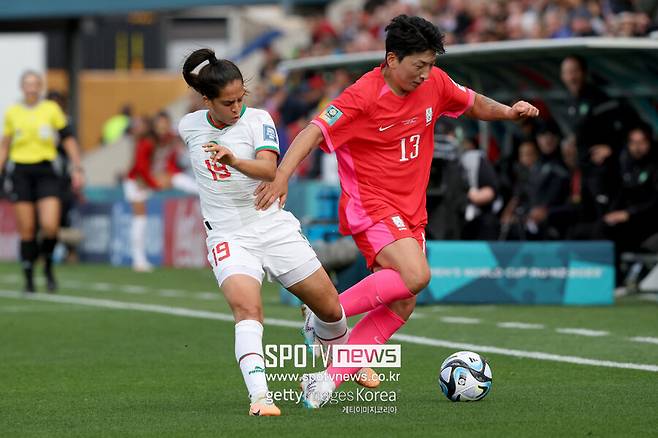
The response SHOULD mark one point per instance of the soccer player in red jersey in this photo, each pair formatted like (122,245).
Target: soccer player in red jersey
(381,130)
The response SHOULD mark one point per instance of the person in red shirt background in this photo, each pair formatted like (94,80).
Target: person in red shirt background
(155,167)
(381,129)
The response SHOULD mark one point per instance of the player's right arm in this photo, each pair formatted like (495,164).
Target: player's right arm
(301,147)
(4,150)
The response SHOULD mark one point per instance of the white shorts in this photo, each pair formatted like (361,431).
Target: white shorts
(274,245)
(135,192)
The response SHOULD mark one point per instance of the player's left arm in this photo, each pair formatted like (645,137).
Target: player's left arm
(485,108)
(263,167)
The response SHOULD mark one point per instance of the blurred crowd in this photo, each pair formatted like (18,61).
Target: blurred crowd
(474,21)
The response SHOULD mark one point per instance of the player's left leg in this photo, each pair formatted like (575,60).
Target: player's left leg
(49,215)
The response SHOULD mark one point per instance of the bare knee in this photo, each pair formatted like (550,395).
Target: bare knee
(241,313)
(330,311)
(403,308)
(416,278)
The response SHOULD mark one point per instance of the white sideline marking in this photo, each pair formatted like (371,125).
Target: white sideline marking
(171,293)
(647,340)
(420,340)
(459,320)
(132,289)
(207,295)
(581,332)
(519,325)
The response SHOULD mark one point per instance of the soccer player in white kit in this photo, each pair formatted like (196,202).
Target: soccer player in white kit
(233,149)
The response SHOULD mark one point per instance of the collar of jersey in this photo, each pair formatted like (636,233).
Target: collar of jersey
(222,125)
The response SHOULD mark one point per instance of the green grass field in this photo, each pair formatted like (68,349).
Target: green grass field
(116,353)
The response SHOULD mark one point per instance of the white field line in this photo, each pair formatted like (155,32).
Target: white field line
(645,339)
(459,320)
(520,325)
(420,340)
(581,332)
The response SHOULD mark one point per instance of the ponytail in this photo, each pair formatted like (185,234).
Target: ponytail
(208,75)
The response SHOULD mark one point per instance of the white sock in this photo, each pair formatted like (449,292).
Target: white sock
(331,333)
(249,354)
(138,238)
(184,182)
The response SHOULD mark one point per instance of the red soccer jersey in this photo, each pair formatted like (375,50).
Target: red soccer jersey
(384,145)
(150,160)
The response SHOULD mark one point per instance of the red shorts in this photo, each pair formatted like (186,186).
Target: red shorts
(384,232)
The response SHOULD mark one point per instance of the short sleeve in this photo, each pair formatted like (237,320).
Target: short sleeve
(8,125)
(336,120)
(264,132)
(454,99)
(57,118)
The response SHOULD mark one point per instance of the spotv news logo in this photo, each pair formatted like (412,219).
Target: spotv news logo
(374,356)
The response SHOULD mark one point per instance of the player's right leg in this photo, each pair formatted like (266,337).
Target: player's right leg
(242,293)
(23,197)
(26,223)
(239,275)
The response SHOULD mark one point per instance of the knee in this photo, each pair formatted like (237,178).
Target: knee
(331,311)
(416,278)
(241,313)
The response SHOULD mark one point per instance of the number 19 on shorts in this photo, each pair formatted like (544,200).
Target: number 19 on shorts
(412,145)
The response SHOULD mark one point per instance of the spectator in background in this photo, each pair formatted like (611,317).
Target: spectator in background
(481,220)
(155,167)
(28,148)
(596,123)
(634,213)
(548,184)
(514,213)
(116,126)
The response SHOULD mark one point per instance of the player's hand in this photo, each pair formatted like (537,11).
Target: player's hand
(77,180)
(523,110)
(219,153)
(599,153)
(267,193)
(616,217)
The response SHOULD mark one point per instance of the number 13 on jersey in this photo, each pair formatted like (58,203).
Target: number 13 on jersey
(413,146)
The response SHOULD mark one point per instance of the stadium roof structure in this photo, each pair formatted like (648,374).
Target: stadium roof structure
(49,9)
(528,68)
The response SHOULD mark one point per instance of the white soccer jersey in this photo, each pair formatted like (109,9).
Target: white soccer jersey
(227,196)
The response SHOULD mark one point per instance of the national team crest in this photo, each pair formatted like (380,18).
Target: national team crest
(331,115)
(398,222)
(269,133)
(428,116)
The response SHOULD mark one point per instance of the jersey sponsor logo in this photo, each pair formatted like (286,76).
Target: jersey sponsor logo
(384,128)
(428,116)
(398,222)
(331,115)
(269,133)
(410,121)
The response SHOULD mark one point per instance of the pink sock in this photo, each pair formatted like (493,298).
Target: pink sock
(376,327)
(381,287)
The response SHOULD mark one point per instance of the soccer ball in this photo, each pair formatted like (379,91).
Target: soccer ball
(465,376)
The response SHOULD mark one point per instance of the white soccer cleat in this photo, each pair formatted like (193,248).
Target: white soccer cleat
(264,408)
(317,389)
(308,332)
(142,267)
